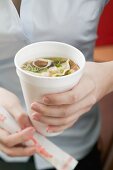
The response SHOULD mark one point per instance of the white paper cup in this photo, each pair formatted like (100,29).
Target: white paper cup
(34,87)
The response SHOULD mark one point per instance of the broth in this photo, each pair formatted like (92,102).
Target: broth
(51,67)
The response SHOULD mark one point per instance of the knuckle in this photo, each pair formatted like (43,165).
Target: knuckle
(6,142)
(88,109)
(93,100)
(9,144)
(67,112)
(45,111)
(26,152)
(10,153)
(64,112)
(71,125)
(66,120)
(74,98)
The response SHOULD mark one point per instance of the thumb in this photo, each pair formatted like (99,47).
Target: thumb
(20,116)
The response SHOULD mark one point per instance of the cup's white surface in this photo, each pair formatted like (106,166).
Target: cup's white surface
(34,87)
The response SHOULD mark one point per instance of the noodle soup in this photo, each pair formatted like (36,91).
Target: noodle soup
(40,75)
(51,67)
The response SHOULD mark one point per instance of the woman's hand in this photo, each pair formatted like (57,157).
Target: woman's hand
(61,111)
(11,143)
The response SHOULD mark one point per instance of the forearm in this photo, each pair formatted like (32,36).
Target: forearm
(105,54)
(107,68)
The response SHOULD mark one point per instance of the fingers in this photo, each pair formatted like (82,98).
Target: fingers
(62,110)
(69,123)
(54,129)
(17,138)
(20,116)
(45,110)
(54,121)
(61,121)
(82,89)
(23,120)
(12,104)
(18,151)
(51,120)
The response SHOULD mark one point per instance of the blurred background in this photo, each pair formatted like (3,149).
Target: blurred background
(104,52)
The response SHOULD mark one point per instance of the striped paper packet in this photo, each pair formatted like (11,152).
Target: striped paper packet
(45,148)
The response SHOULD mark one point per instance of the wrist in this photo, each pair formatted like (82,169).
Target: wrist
(107,69)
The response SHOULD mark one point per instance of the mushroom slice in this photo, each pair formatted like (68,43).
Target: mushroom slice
(42,63)
(59,71)
(73,66)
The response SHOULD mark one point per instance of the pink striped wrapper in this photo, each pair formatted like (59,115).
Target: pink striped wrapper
(45,148)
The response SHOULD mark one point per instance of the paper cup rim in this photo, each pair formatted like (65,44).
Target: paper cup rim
(51,42)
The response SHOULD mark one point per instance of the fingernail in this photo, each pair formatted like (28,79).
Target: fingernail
(49,129)
(34,105)
(46,100)
(36,116)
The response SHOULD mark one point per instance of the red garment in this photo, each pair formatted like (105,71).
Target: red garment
(105,29)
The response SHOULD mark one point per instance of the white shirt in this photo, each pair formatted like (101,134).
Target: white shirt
(70,21)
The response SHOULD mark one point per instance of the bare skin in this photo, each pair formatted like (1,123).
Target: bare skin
(61,111)
(11,144)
